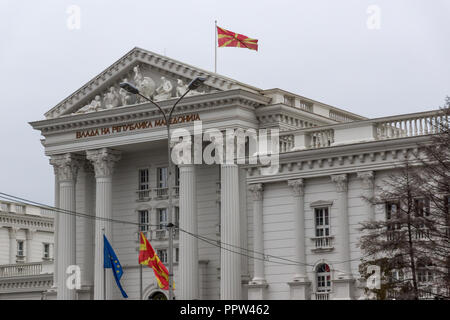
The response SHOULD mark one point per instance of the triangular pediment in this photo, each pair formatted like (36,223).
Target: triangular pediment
(156,76)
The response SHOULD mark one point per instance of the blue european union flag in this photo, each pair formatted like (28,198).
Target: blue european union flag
(110,261)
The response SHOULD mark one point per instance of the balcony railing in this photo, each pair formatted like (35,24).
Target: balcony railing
(25,269)
(143,195)
(161,192)
(161,234)
(402,126)
(323,243)
(322,295)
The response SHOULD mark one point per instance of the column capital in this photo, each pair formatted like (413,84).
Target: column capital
(257,190)
(298,187)
(30,233)
(66,166)
(103,161)
(13,232)
(341,182)
(367,178)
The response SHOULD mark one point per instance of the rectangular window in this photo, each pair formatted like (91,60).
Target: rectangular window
(322,222)
(177,216)
(162,254)
(143,220)
(392,213)
(162,218)
(46,251)
(177,254)
(177,176)
(422,207)
(161,174)
(143,179)
(20,251)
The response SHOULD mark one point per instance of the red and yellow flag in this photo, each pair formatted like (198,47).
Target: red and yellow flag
(148,257)
(227,38)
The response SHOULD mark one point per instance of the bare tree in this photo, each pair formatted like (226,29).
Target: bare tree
(411,245)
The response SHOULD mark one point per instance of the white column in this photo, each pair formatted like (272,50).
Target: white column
(55,228)
(244,233)
(87,179)
(257,191)
(29,244)
(298,194)
(367,179)
(343,236)
(230,264)
(103,160)
(12,244)
(68,165)
(188,269)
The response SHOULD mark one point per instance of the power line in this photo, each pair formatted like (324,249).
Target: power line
(205,239)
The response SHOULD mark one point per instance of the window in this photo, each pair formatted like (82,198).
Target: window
(161,177)
(424,272)
(323,278)
(392,213)
(322,222)
(396,275)
(20,251)
(422,207)
(177,176)
(162,254)
(143,220)
(46,251)
(177,216)
(162,218)
(143,184)
(177,254)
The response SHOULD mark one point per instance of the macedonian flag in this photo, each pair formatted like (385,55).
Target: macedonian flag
(230,39)
(148,257)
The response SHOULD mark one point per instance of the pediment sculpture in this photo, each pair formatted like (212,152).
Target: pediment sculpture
(159,90)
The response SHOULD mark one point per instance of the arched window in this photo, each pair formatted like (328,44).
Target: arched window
(323,276)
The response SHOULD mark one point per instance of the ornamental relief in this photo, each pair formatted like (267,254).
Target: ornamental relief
(150,84)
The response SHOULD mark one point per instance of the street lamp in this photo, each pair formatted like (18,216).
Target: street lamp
(194,84)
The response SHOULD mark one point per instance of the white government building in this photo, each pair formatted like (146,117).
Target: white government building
(26,251)
(108,150)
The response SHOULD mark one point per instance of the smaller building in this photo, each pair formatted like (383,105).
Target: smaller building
(26,251)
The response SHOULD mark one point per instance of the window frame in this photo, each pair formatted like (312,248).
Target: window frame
(323,278)
(162,183)
(20,246)
(324,212)
(159,211)
(143,226)
(46,253)
(162,255)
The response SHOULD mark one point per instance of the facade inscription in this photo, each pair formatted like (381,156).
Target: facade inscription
(134,126)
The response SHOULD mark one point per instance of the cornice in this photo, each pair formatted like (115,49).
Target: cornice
(26,221)
(147,111)
(370,156)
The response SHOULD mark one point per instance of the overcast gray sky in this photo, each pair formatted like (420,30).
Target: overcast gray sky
(321,49)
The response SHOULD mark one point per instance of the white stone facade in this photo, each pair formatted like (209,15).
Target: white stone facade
(267,224)
(26,251)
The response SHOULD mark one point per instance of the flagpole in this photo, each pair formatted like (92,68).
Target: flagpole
(140,265)
(104,269)
(215,47)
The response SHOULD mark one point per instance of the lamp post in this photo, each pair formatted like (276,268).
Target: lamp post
(194,84)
